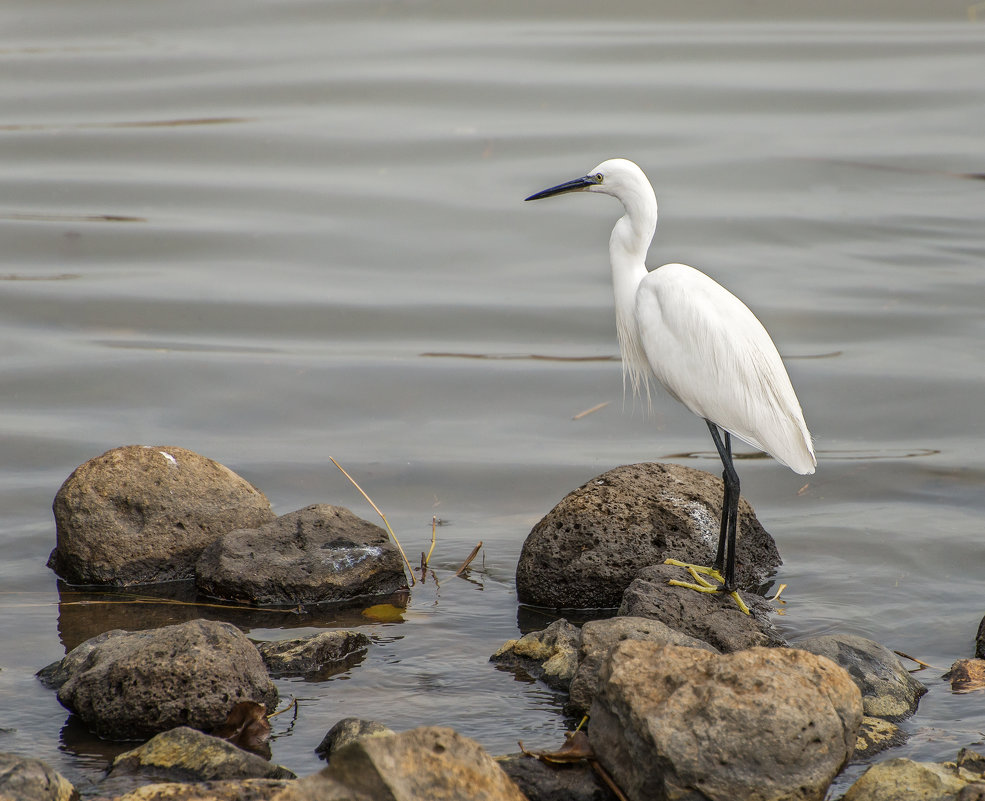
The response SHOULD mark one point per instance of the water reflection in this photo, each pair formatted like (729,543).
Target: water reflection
(86,613)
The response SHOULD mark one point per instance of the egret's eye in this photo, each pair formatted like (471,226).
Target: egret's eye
(598,177)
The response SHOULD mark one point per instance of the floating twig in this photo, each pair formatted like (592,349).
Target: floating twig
(587,412)
(410,570)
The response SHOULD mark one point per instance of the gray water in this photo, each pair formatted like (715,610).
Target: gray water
(278,232)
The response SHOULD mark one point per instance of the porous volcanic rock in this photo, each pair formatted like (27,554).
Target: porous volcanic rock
(136,684)
(550,655)
(140,514)
(597,639)
(671,723)
(711,617)
(348,730)
(314,657)
(586,551)
(888,689)
(316,555)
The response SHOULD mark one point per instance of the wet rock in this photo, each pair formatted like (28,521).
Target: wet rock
(186,755)
(966,675)
(906,780)
(712,618)
(673,722)
(319,554)
(586,551)
(888,690)
(425,764)
(875,736)
(315,657)
(980,640)
(550,655)
(348,730)
(227,790)
(136,684)
(27,779)
(541,782)
(597,639)
(141,514)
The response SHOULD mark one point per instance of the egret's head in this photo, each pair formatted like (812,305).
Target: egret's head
(620,178)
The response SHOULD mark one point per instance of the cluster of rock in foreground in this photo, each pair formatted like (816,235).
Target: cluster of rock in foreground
(688,698)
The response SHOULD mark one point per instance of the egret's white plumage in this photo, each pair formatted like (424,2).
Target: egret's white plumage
(698,340)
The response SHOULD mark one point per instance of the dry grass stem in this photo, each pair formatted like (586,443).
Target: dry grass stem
(400,548)
(587,412)
(468,561)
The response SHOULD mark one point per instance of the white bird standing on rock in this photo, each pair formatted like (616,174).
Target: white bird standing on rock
(703,345)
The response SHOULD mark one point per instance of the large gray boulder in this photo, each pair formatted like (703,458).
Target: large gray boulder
(598,637)
(319,554)
(136,684)
(586,551)
(711,617)
(888,689)
(28,779)
(682,723)
(141,514)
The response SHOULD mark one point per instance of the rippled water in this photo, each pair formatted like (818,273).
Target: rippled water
(278,232)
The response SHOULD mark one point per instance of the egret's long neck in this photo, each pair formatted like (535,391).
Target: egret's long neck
(628,245)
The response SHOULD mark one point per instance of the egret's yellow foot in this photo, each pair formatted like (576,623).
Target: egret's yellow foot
(700,584)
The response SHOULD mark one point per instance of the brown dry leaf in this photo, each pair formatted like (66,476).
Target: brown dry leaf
(247,727)
(576,748)
(966,675)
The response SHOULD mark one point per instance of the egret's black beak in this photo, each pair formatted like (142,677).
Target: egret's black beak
(569,186)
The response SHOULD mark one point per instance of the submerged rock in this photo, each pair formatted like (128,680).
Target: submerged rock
(586,551)
(136,684)
(599,636)
(184,754)
(141,514)
(319,554)
(425,764)
(673,722)
(348,730)
(875,736)
(888,690)
(907,780)
(550,655)
(27,779)
(315,657)
(712,618)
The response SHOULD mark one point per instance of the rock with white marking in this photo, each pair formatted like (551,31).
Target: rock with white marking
(587,550)
(316,555)
(140,514)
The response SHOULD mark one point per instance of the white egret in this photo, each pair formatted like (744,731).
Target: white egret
(702,344)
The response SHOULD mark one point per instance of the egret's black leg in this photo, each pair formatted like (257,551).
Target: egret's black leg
(725,558)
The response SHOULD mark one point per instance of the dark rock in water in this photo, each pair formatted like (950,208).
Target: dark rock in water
(980,641)
(875,736)
(316,657)
(550,655)
(764,723)
(888,689)
(713,618)
(599,636)
(586,551)
(141,514)
(569,782)
(348,730)
(136,684)
(425,764)
(319,554)
(27,779)
(184,754)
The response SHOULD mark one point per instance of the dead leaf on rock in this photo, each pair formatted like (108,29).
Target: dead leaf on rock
(247,727)
(966,675)
(576,748)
